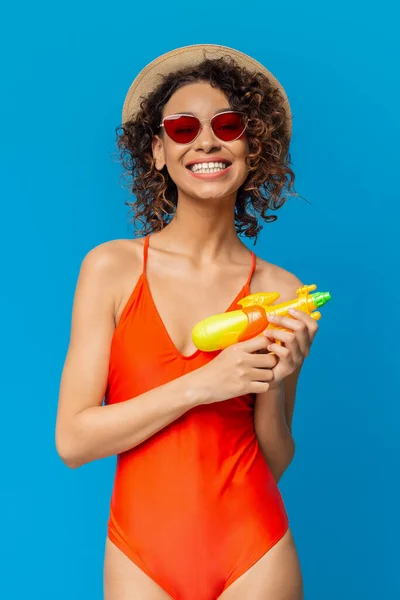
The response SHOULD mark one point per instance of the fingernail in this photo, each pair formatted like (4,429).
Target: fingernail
(271,317)
(292,311)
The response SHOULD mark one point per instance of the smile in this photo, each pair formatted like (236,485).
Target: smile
(209,167)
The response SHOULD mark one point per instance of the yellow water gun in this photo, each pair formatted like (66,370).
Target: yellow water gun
(220,331)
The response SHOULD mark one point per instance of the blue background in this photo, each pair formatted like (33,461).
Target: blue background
(65,71)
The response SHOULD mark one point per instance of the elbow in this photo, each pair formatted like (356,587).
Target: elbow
(71,461)
(68,450)
(70,458)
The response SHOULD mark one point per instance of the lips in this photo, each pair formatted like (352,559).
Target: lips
(216,161)
(208,173)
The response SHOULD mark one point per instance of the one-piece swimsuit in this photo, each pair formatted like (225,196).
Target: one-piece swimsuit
(195,505)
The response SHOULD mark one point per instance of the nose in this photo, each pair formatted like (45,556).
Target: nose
(206,139)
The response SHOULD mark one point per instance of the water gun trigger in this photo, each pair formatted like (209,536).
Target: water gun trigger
(316,315)
(271,326)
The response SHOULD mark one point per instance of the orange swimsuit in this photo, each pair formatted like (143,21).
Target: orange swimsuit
(195,505)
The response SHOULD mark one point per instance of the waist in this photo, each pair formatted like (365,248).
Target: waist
(195,456)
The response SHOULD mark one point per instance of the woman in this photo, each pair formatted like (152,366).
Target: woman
(202,438)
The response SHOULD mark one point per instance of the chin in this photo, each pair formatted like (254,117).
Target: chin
(211,191)
(212,194)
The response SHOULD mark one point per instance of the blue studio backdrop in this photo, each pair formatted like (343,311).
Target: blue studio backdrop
(65,71)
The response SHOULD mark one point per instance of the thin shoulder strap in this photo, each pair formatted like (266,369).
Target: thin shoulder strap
(252,269)
(145,252)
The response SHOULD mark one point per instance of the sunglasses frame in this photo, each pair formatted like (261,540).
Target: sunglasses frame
(174,117)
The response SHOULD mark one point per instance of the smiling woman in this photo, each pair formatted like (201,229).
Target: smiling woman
(257,107)
(202,438)
(175,156)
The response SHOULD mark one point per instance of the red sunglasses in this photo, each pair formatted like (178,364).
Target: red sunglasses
(184,129)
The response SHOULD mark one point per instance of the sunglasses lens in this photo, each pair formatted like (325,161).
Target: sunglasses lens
(228,126)
(182,129)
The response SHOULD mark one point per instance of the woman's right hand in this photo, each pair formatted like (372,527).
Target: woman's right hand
(236,371)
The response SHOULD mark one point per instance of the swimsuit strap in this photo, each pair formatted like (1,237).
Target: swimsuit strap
(252,269)
(145,252)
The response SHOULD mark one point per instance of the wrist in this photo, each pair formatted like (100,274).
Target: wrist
(276,385)
(192,391)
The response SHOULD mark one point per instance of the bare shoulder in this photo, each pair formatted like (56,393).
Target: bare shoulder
(114,255)
(272,278)
(112,267)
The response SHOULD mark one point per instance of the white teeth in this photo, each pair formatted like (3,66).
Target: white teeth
(210,167)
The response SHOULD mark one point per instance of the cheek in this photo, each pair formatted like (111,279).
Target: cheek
(175,171)
(241,153)
(241,149)
(172,153)
(173,160)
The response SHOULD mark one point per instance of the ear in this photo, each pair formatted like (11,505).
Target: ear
(157,147)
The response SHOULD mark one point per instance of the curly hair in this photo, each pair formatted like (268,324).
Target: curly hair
(270,179)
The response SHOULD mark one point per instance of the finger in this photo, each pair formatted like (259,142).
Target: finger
(292,344)
(300,338)
(263,361)
(288,322)
(299,327)
(279,334)
(261,375)
(259,387)
(252,345)
(310,323)
(280,351)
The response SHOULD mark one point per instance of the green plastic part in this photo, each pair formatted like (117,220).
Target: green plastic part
(320,298)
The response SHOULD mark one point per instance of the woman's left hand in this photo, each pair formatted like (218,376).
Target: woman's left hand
(296,343)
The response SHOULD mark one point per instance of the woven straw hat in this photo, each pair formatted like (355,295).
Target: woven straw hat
(152,75)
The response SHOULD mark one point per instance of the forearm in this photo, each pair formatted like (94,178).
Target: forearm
(273,433)
(280,458)
(102,431)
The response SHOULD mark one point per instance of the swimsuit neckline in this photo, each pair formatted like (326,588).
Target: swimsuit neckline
(195,353)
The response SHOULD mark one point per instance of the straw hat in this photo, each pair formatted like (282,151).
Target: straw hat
(151,76)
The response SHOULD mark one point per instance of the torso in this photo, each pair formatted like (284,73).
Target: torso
(194,458)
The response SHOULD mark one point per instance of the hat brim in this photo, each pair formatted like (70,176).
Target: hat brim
(152,75)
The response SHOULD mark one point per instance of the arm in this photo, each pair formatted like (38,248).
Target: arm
(86,430)
(273,414)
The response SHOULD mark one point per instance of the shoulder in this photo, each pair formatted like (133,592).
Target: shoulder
(272,278)
(114,255)
(105,265)
(108,271)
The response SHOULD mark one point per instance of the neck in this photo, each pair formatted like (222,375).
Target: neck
(203,228)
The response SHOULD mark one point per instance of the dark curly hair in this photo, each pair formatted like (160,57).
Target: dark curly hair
(270,179)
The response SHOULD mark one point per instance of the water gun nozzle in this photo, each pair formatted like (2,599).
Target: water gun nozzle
(321,298)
